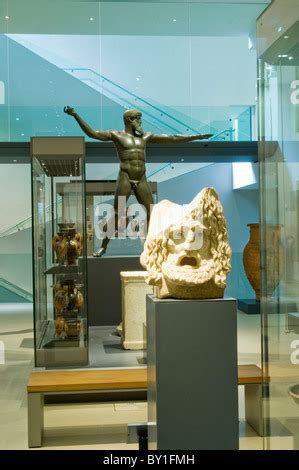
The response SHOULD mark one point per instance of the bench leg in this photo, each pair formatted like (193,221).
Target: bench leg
(254,407)
(35,419)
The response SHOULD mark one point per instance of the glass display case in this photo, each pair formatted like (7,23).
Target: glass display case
(59,251)
(278,48)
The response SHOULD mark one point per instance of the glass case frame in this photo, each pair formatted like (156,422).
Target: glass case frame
(59,251)
(279,174)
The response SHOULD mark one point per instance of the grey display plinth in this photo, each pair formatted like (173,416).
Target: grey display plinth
(192,374)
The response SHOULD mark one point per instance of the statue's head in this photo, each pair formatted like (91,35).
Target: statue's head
(132,119)
(186,252)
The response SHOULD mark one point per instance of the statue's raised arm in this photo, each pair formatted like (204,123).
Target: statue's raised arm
(99,135)
(176,138)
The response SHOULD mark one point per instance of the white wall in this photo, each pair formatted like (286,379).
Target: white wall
(16,259)
(15,205)
(15,194)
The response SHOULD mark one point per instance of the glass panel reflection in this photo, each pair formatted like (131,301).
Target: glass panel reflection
(279,171)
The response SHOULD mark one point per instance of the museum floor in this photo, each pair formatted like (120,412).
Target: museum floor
(88,425)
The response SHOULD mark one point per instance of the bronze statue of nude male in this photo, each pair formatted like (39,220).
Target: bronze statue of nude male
(130,145)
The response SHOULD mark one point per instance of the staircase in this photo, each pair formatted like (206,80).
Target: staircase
(11,293)
(89,84)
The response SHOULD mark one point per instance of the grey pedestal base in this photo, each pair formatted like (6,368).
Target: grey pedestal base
(192,374)
(249,306)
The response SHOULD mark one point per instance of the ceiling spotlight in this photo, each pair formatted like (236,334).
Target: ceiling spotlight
(174,20)
(91,18)
(137,78)
(17,119)
(7,17)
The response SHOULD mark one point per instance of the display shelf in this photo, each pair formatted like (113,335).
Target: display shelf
(60,352)
(64,270)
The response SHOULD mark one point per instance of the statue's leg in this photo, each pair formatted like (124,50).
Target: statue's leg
(123,188)
(144,196)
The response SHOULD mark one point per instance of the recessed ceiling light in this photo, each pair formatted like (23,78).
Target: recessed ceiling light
(22,134)
(137,78)
(91,18)
(7,17)
(291,58)
(174,20)
(17,119)
(182,159)
(15,161)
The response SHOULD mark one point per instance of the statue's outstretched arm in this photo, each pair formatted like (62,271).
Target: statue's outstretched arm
(100,135)
(176,138)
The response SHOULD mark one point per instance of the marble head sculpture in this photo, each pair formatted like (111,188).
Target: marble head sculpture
(186,252)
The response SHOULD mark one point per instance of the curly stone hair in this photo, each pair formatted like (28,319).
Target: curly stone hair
(156,250)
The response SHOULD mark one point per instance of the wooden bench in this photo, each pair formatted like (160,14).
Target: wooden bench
(104,380)
(251,377)
(76,381)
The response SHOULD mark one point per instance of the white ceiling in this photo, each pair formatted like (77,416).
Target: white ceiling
(175,18)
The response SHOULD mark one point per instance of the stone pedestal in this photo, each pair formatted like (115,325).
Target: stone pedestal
(249,306)
(134,290)
(192,374)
